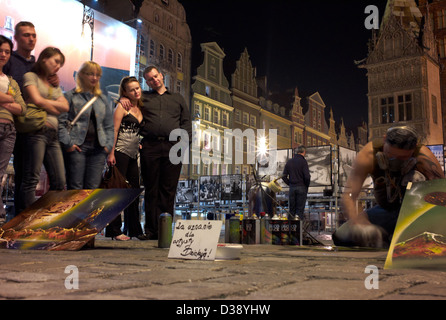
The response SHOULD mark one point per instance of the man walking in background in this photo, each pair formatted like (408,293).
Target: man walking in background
(297,175)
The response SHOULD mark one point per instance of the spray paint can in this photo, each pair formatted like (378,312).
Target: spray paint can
(251,230)
(295,232)
(234,229)
(275,230)
(165,230)
(284,232)
(265,230)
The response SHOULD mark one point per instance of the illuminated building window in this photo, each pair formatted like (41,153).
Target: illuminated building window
(405,107)
(387,110)
(162,52)
(170,57)
(152,48)
(179,61)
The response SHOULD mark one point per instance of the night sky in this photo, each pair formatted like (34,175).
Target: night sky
(311,45)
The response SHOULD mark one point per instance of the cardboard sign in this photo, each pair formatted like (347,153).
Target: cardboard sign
(195,239)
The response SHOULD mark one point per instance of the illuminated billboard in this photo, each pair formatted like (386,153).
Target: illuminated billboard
(59,24)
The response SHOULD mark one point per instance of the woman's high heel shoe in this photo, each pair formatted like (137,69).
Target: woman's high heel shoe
(121,237)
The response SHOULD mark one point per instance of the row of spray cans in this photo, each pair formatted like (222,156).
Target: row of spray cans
(263,230)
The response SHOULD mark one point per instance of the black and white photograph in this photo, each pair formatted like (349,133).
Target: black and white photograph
(319,163)
(346,158)
(210,188)
(187,191)
(231,187)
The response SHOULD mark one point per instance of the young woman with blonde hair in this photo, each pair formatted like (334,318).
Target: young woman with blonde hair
(87,144)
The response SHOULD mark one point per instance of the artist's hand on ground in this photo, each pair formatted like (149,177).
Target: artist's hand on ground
(367,235)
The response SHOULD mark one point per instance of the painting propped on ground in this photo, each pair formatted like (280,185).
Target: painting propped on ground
(419,240)
(65,220)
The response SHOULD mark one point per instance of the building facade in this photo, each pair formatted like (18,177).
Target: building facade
(435,12)
(403,74)
(246,110)
(212,113)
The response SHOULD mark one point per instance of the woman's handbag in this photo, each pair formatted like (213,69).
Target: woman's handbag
(33,120)
(113,179)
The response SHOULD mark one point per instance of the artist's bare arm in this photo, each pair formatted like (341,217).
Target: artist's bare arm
(428,164)
(362,167)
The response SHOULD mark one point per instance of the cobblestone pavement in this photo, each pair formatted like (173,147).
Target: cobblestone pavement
(140,270)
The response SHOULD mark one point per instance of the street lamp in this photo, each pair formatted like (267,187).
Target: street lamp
(88,18)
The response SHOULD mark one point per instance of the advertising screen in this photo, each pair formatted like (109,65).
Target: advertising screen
(59,23)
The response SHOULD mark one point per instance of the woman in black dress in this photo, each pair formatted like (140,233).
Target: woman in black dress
(125,156)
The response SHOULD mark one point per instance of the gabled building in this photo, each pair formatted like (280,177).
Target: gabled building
(403,74)
(434,11)
(212,113)
(316,130)
(246,108)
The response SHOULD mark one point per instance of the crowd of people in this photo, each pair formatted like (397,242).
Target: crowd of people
(75,145)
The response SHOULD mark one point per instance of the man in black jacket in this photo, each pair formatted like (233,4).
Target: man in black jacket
(163,111)
(297,175)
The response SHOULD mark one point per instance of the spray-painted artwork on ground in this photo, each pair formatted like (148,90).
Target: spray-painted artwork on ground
(419,240)
(65,220)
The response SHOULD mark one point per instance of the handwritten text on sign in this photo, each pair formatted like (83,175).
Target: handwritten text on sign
(195,240)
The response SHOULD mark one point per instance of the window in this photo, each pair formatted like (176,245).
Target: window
(196,109)
(405,107)
(245,118)
(387,110)
(179,86)
(442,48)
(152,48)
(170,57)
(142,47)
(238,116)
(434,109)
(441,19)
(179,61)
(207,114)
(161,52)
(216,117)
(225,119)
(252,121)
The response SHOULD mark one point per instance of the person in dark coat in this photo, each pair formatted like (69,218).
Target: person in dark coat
(297,175)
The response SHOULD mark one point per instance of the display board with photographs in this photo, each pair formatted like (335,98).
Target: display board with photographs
(346,159)
(319,163)
(231,187)
(187,191)
(210,188)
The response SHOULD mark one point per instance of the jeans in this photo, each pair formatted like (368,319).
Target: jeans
(42,147)
(7,140)
(297,199)
(85,168)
